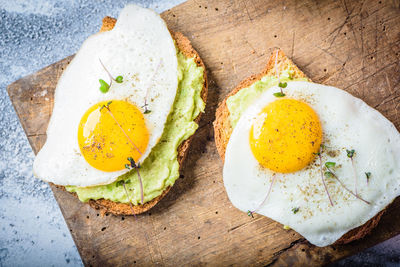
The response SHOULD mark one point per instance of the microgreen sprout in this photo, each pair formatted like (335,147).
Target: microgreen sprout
(331,174)
(322,174)
(122,183)
(281,85)
(132,164)
(107,106)
(249,212)
(130,201)
(350,154)
(368,175)
(104,87)
(295,210)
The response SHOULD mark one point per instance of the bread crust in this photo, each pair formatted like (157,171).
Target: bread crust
(116,208)
(223,130)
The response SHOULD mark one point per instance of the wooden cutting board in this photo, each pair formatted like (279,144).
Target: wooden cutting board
(353,45)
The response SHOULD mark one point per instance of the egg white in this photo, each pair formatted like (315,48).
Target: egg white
(347,123)
(139,48)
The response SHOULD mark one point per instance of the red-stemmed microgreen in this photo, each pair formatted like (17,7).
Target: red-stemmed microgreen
(132,164)
(122,182)
(107,107)
(281,93)
(330,174)
(322,175)
(281,85)
(104,86)
(350,154)
(368,175)
(145,106)
(249,212)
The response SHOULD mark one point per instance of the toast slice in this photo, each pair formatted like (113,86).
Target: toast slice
(116,208)
(223,129)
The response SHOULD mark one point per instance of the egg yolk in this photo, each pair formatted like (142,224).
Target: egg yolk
(286,135)
(111,132)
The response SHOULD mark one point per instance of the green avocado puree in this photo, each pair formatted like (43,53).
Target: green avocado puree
(160,169)
(240,101)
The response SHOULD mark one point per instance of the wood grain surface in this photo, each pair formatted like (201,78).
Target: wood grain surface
(353,45)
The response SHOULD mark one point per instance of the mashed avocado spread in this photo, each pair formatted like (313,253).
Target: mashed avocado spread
(160,169)
(240,101)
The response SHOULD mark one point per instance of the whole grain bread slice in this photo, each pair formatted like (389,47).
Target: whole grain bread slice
(116,208)
(223,128)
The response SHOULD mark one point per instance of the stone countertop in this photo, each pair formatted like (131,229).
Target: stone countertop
(34,34)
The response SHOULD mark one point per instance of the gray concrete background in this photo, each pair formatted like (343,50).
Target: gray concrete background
(34,34)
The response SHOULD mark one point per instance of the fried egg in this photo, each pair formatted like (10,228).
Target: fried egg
(91,134)
(283,145)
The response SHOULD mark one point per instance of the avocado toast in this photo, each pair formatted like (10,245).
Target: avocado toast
(193,83)
(238,100)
